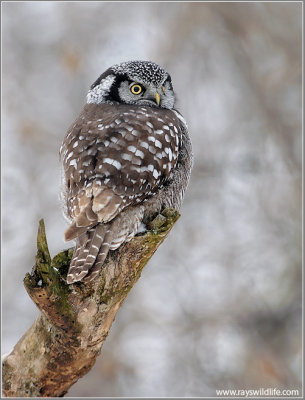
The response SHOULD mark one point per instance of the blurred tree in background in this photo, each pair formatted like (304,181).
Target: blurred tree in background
(228,279)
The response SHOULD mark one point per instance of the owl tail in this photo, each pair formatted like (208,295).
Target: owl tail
(85,220)
(90,252)
(93,246)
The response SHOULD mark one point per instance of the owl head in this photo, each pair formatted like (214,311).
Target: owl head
(134,82)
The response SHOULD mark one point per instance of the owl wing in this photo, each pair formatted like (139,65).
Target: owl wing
(116,156)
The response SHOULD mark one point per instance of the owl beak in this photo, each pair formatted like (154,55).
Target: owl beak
(157,97)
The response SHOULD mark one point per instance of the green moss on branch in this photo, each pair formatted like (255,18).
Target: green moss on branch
(63,343)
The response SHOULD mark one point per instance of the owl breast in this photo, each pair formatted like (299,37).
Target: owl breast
(118,155)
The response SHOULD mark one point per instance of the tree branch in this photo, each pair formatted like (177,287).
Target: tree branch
(64,341)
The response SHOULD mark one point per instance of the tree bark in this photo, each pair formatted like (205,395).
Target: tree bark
(64,341)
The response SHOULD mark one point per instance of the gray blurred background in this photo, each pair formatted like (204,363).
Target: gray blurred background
(219,305)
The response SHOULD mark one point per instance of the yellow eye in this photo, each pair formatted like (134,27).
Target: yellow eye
(136,89)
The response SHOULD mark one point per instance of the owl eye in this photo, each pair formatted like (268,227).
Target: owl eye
(136,89)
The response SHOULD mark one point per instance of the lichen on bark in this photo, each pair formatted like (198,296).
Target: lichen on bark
(63,343)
